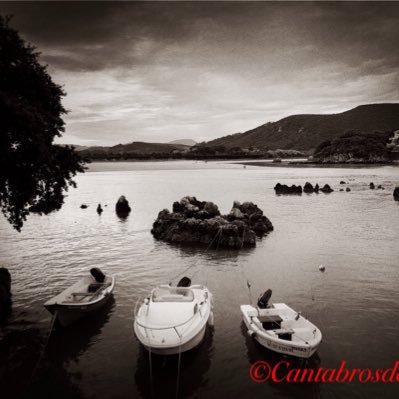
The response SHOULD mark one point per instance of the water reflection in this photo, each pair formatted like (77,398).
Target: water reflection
(66,344)
(193,371)
(51,378)
(256,352)
(207,253)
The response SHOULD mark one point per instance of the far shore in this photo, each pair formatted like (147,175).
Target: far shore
(286,163)
(306,164)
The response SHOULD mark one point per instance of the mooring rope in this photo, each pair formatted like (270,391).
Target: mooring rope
(242,270)
(150,364)
(49,331)
(195,263)
(178,371)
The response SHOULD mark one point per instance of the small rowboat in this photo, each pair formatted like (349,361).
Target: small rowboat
(280,328)
(173,320)
(82,298)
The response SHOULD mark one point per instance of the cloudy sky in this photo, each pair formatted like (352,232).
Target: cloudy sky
(143,71)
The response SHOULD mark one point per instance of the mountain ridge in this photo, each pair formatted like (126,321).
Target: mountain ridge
(307,131)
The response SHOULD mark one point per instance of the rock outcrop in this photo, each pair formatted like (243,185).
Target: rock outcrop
(194,221)
(5,293)
(122,207)
(308,188)
(283,189)
(396,193)
(326,189)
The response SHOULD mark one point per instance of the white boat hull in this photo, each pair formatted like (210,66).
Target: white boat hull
(67,311)
(168,328)
(191,344)
(67,315)
(302,347)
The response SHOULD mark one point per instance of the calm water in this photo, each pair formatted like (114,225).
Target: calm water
(355,302)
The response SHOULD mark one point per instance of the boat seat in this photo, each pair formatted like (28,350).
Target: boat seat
(84,293)
(281,331)
(265,313)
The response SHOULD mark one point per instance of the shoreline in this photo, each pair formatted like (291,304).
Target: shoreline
(188,159)
(288,163)
(316,165)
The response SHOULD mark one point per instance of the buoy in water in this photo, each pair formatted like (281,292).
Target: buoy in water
(322,268)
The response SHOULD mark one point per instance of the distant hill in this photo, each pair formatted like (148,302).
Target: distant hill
(77,147)
(137,147)
(187,142)
(306,132)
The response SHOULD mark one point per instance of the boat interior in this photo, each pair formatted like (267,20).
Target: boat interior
(83,291)
(285,323)
(172,294)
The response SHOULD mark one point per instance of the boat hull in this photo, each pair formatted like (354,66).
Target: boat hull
(276,344)
(186,346)
(75,302)
(280,347)
(171,327)
(69,314)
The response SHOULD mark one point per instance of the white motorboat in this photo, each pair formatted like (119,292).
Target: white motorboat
(280,328)
(173,320)
(82,298)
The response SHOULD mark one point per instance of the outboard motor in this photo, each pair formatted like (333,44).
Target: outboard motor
(264,299)
(98,275)
(184,282)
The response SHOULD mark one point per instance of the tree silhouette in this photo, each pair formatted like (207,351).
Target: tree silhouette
(34,172)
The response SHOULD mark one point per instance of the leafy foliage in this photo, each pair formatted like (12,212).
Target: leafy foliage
(355,145)
(34,172)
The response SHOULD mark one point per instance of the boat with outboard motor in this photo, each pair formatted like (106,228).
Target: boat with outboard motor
(88,294)
(173,319)
(280,328)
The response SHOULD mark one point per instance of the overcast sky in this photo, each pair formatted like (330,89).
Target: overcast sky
(163,71)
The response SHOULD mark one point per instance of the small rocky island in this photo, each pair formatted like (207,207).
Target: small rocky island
(194,221)
(283,189)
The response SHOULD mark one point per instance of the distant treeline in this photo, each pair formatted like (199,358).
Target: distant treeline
(355,145)
(196,153)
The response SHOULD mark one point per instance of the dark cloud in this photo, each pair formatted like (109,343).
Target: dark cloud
(203,69)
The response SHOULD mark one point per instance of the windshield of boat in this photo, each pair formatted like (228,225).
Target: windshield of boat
(172,294)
